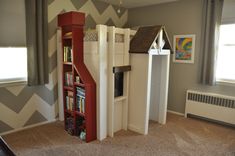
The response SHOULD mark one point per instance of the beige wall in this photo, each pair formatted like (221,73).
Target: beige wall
(182,17)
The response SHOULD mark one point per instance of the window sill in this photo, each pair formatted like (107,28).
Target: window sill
(226,82)
(13,83)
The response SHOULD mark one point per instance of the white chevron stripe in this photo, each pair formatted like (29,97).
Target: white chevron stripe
(57,6)
(16,89)
(17,120)
(52,79)
(52,45)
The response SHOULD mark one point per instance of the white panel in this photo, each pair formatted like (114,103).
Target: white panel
(111,57)
(90,47)
(92,63)
(126,79)
(138,92)
(119,48)
(102,83)
(119,60)
(118,116)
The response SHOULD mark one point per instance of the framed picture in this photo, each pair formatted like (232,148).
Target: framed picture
(184,46)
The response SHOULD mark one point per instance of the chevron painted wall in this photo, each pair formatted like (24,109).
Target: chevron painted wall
(22,106)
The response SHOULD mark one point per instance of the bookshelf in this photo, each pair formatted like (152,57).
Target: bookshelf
(79,88)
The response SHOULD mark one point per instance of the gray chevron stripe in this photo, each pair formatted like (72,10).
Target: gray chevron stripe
(4,127)
(90,23)
(78,3)
(16,103)
(100,6)
(53,62)
(110,22)
(35,118)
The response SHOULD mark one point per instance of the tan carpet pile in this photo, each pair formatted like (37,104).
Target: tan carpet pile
(179,137)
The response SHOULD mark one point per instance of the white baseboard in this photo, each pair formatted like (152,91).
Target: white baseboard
(27,127)
(173,112)
(135,129)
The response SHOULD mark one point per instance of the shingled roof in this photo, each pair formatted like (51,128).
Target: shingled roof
(145,38)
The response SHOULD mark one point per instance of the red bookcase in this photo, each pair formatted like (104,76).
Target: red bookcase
(79,88)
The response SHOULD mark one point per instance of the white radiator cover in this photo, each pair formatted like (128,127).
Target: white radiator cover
(211,106)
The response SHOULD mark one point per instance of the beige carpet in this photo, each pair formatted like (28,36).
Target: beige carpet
(180,136)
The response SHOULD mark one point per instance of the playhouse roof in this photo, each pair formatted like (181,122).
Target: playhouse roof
(146,36)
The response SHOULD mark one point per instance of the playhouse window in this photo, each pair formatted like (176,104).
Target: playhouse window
(118,83)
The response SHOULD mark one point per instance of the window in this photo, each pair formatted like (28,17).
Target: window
(13,64)
(226,55)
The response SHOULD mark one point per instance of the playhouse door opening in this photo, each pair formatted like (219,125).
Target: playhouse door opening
(159,88)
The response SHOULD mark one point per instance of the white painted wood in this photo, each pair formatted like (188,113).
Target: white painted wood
(95,56)
(100,58)
(159,88)
(137,111)
(148,90)
(160,40)
(59,72)
(111,59)
(121,98)
(126,60)
(119,31)
(155,88)
(149,78)
(119,60)
(158,52)
(174,112)
(118,116)
(102,85)
(119,48)
(165,64)
(132,32)
(91,46)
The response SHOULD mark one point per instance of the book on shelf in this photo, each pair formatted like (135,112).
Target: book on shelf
(68,55)
(81,100)
(69,125)
(80,126)
(68,79)
(69,103)
(77,78)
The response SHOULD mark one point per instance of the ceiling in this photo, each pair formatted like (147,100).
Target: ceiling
(137,3)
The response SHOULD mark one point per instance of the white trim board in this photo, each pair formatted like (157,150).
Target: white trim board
(174,112)
(27,127)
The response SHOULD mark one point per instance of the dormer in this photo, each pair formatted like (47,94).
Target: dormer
(151,40)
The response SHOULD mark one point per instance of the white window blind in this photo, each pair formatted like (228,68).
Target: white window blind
(226,54)
(13,65)
(12,27)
